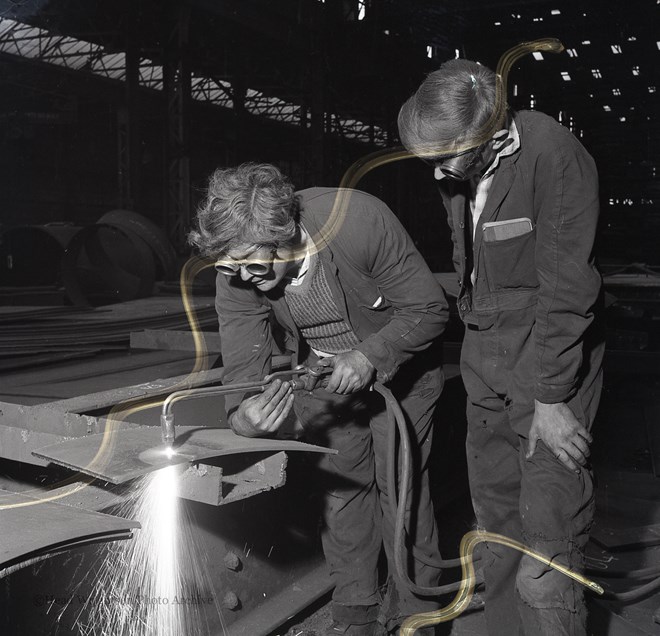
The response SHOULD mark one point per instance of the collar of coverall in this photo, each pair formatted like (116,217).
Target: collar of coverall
(511,144)
(298,279)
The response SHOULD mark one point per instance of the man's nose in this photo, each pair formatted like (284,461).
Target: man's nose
(245,275)
(437,173)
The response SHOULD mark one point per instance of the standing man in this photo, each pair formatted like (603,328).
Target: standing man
(522,202)
(360,299)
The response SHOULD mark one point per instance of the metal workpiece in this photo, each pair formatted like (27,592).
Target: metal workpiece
(137,452)
(239,477)
(267,563)
(26,428)
(34,528)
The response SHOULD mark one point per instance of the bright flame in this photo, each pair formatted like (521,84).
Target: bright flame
(155,584)
(163,502)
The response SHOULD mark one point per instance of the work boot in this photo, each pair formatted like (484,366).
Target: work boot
(351,629)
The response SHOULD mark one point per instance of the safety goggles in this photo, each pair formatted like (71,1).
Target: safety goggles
(459,165)
(434,161)
(254,265)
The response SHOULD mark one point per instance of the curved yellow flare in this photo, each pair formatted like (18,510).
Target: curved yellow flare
(195,265)
(465,592)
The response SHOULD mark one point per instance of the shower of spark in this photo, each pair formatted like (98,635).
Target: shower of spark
(156,584)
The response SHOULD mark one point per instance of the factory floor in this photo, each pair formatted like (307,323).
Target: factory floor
(626,535)
(626,458)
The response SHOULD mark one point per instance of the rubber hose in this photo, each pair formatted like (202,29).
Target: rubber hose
(392,469)
(395,415)
(632,595)
(641,573)
(399,503)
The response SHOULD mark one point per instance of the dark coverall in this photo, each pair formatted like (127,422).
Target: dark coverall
(531,333)
(385,291)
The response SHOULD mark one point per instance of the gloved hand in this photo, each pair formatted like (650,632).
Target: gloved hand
(352,372)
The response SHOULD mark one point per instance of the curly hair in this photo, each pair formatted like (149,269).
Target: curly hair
(451,105)
(250,205)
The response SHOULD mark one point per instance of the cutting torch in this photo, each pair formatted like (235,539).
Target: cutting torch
(301,378)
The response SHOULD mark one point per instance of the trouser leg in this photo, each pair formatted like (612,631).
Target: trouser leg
(494,476)
(556,507)
(351,535)
(547,507)
(358,517)
(538,501)
(422,555)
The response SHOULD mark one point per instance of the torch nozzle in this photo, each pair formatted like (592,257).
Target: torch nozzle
(167,426)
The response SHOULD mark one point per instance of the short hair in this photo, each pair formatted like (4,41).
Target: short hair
(451,105)
(251,205)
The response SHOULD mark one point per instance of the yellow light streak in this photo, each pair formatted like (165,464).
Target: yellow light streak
(466,591)
(325,235)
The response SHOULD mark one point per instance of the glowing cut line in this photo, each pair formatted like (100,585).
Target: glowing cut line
(464,594)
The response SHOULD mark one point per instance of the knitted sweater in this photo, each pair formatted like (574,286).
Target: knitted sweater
(315,313)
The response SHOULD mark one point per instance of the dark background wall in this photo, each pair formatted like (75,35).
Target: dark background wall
(63,131)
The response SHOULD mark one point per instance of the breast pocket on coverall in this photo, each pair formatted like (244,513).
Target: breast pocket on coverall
(511,263)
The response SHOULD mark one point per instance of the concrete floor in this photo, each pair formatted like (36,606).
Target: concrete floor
(470,623)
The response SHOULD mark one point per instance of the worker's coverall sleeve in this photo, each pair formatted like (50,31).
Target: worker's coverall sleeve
(374,243)
(566,197)
(245,334)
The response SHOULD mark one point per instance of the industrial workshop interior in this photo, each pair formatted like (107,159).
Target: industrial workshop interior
(131,501)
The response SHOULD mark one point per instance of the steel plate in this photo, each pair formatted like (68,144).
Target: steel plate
(33,529)
(128,454)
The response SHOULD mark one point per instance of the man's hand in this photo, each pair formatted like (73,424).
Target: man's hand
(561,432)
(352,372)
(264,413)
